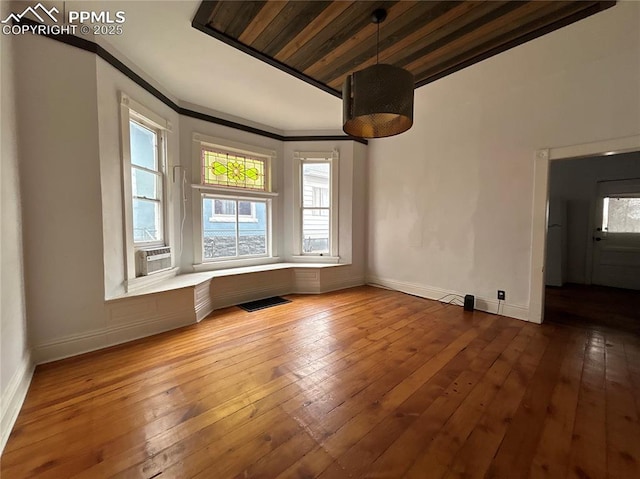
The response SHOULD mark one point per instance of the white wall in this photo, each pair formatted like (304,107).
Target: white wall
(15,363)
(575,181)
(60,172)
(69,138)
(450,201)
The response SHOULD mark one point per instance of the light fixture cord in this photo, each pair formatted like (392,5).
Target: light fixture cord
(378,45)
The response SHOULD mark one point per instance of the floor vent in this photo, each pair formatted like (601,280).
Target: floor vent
(263,303)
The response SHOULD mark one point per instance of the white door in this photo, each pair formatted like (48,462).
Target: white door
(616,239)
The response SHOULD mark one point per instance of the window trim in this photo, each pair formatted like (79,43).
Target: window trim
(300,158)
(130,110)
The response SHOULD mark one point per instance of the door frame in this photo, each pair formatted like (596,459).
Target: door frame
(542,157)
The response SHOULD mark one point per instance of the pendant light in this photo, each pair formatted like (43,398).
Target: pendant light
(378,101)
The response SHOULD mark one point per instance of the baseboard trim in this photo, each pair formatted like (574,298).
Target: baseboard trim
(120,333)
(430,292)
(13,398)
(98,339)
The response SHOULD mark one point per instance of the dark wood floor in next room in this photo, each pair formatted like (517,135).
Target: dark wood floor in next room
(594,306)
(358,383)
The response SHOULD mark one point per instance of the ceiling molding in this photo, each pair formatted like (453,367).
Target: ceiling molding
(112,60)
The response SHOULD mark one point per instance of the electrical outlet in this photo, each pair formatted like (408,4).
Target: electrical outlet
(501,295)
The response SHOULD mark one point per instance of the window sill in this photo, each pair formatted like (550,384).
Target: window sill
(230,190)
(325,259)
(145,282)
(235,263)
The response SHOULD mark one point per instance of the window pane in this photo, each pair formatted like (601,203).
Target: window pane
(146,221)
(315,231)
(219,228)
(143,146)
(219,235)
(144,183)
(253,234)
(244,208)
(621,215)
(226,169)
(315,184)
(224,207)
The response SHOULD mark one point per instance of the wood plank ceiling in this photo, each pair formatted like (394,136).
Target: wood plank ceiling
(322,42)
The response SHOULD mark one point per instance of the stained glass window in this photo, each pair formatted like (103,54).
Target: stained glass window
(230,169)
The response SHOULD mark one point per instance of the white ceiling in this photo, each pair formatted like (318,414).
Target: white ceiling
(195,68)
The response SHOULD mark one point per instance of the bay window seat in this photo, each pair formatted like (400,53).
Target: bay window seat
(198,294)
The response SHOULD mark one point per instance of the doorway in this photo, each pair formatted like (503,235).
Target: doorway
(542,160)
(592,273)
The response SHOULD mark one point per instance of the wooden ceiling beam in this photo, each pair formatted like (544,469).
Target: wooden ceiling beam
(441,26)
(404,30)
(498,26)
(352,21)
(268,12)
(289,28)
(245,14)
(222,15)
(312,29)
(366,38)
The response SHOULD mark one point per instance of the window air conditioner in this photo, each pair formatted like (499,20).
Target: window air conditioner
(154,260)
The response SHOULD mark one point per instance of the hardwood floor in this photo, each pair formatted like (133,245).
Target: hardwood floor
(594,307)
(358,383)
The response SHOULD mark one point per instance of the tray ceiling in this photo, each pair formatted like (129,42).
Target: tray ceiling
(322,42)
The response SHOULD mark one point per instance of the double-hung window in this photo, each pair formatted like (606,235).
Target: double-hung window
(318,204)
(144,165)
(235,202)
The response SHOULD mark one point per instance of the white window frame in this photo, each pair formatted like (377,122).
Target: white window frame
(200,190)
(332,158)
(131,110)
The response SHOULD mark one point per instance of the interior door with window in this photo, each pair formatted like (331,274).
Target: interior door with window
(616,239)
